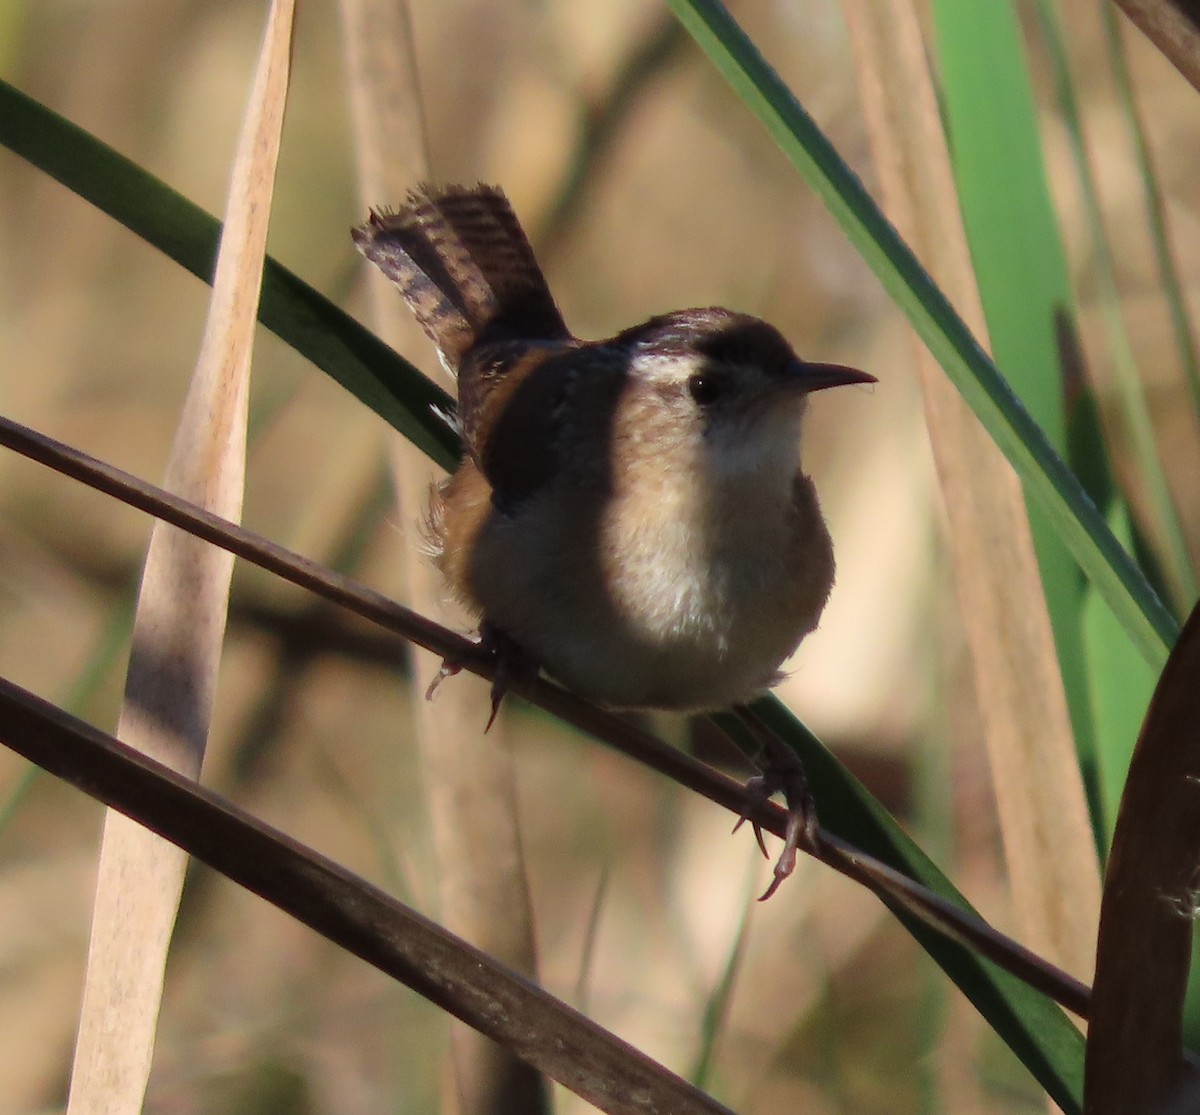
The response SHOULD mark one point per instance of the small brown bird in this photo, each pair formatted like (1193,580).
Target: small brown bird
(631,513)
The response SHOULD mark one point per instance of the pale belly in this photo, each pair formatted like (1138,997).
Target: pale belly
(670,615)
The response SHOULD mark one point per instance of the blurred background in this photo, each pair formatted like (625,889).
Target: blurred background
(645,186)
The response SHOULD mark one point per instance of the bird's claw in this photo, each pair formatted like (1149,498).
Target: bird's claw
(801,828)
(446,670)
(758,791)
(499,688)
(512,664)
(782,772)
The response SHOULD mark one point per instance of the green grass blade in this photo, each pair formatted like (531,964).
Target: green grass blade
(1120,683)
(1119,706)
(1020,267)
(1081,527)
(1035,1028)
(291,309)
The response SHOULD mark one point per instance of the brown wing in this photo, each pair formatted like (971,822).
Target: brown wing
(511,398)
(547,414)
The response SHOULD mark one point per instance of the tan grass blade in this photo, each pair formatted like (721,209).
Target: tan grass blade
(179,628)
(1047,836)
(483,892)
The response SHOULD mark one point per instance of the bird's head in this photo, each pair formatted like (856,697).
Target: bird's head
(726,384)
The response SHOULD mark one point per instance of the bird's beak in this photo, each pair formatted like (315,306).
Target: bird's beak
(816,377)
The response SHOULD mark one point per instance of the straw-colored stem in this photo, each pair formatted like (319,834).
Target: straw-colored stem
(1039,791)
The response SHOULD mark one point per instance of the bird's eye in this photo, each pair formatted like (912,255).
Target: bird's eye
(705,388)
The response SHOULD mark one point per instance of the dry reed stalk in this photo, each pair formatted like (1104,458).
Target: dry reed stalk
(1047,835)
(483,891)
(179,628)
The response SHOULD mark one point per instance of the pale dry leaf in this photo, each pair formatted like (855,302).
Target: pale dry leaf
(179,627)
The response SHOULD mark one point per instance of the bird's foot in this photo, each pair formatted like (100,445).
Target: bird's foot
(782,772)
(513,664)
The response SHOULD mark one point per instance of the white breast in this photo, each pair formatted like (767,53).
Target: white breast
(660,598)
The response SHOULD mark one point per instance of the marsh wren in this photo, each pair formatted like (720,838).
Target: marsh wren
(631,513)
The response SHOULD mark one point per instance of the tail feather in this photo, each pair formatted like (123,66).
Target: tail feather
(465,267)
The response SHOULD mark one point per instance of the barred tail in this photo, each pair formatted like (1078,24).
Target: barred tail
(465,267)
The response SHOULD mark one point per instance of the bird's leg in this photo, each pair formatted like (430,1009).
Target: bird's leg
(782,772)
(512,664)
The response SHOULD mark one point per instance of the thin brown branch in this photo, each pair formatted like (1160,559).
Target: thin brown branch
(895,889)
(349,911)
